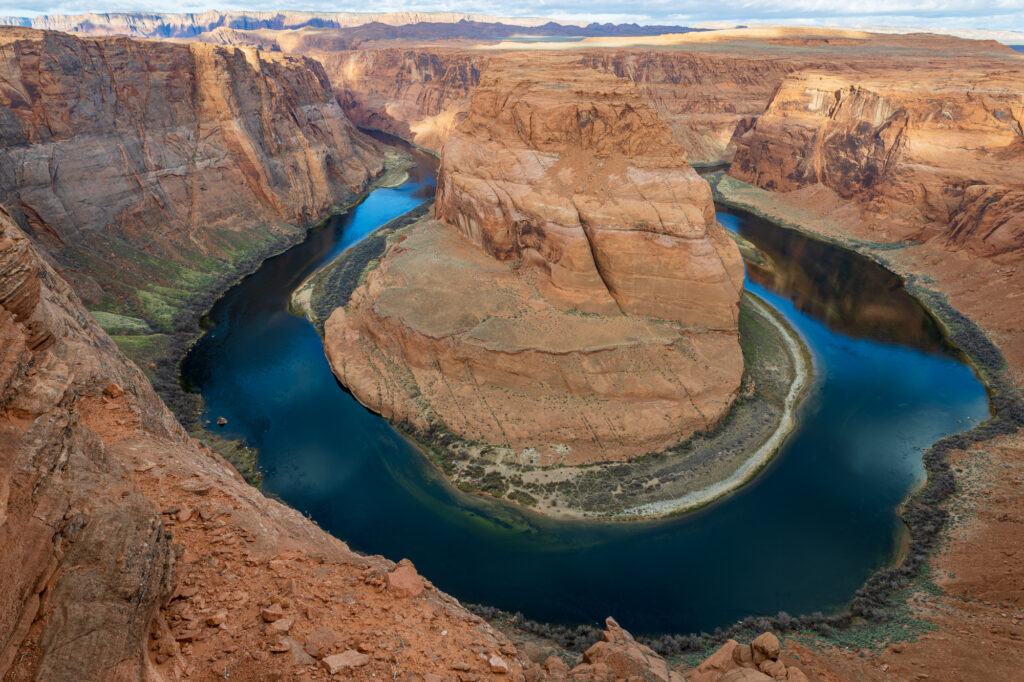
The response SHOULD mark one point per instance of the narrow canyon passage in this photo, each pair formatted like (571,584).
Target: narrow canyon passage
(802,537)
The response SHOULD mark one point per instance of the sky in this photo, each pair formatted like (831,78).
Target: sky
(976,14)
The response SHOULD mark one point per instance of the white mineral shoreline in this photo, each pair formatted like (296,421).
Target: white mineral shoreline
(763,454)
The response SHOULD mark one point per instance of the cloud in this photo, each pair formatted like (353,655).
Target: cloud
(978,14)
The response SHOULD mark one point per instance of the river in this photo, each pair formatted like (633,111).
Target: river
(802,537)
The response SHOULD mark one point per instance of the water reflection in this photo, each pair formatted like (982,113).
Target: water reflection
(848,293)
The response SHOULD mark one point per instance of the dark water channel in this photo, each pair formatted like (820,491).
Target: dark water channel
(802,537)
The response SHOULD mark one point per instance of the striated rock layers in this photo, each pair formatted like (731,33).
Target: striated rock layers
(709,86)
(707,99)
(578,179)
(139,164)
(580,306)
(419,95)
(935,154)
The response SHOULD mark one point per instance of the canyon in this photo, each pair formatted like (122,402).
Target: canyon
(133,551)
(203,156)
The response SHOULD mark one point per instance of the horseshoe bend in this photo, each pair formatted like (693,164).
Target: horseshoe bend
(711,335)
(575,301)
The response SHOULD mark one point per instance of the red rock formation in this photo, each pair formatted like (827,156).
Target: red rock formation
(93,567)
(707,99)
(419,95)
(443,333)
(554,355)
(571,174)
(760,661)
(929,151)
(131,552)
(130,160)
(709,87)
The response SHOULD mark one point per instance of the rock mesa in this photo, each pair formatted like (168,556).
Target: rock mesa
(579,305)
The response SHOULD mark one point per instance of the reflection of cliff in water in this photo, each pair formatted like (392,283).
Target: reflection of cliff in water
(844,290)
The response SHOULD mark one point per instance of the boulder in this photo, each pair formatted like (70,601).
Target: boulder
(404,580)
(344,661)
(765,647)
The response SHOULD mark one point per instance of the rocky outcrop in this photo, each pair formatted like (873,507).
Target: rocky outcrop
(580,306)
(934,153)
(618,656)
(144,167)
(708,100)
(574,178)
(760,661)
(132,552)
(83,574)
(419,95)
(442,334)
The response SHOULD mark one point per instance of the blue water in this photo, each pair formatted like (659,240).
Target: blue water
(802,537)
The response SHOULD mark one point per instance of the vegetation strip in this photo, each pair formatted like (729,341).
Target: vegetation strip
(763,454)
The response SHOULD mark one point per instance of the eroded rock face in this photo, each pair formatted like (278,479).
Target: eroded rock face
(136,162)
(935,153)
(441,332)
(708,100)
(82,574)
(419,95)
(581,303)
(130,550)
(574,177)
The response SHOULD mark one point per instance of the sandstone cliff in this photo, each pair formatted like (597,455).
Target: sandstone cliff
(145,168)
(132,552)
(419,95)
(709,87)
(609,331)
(707,99)
(574,177)
(928,157)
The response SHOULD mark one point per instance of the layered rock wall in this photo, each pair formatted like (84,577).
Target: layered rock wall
(118,155)
(419,95)
(941,158)
(575,178)
(83,573)
(708,100)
